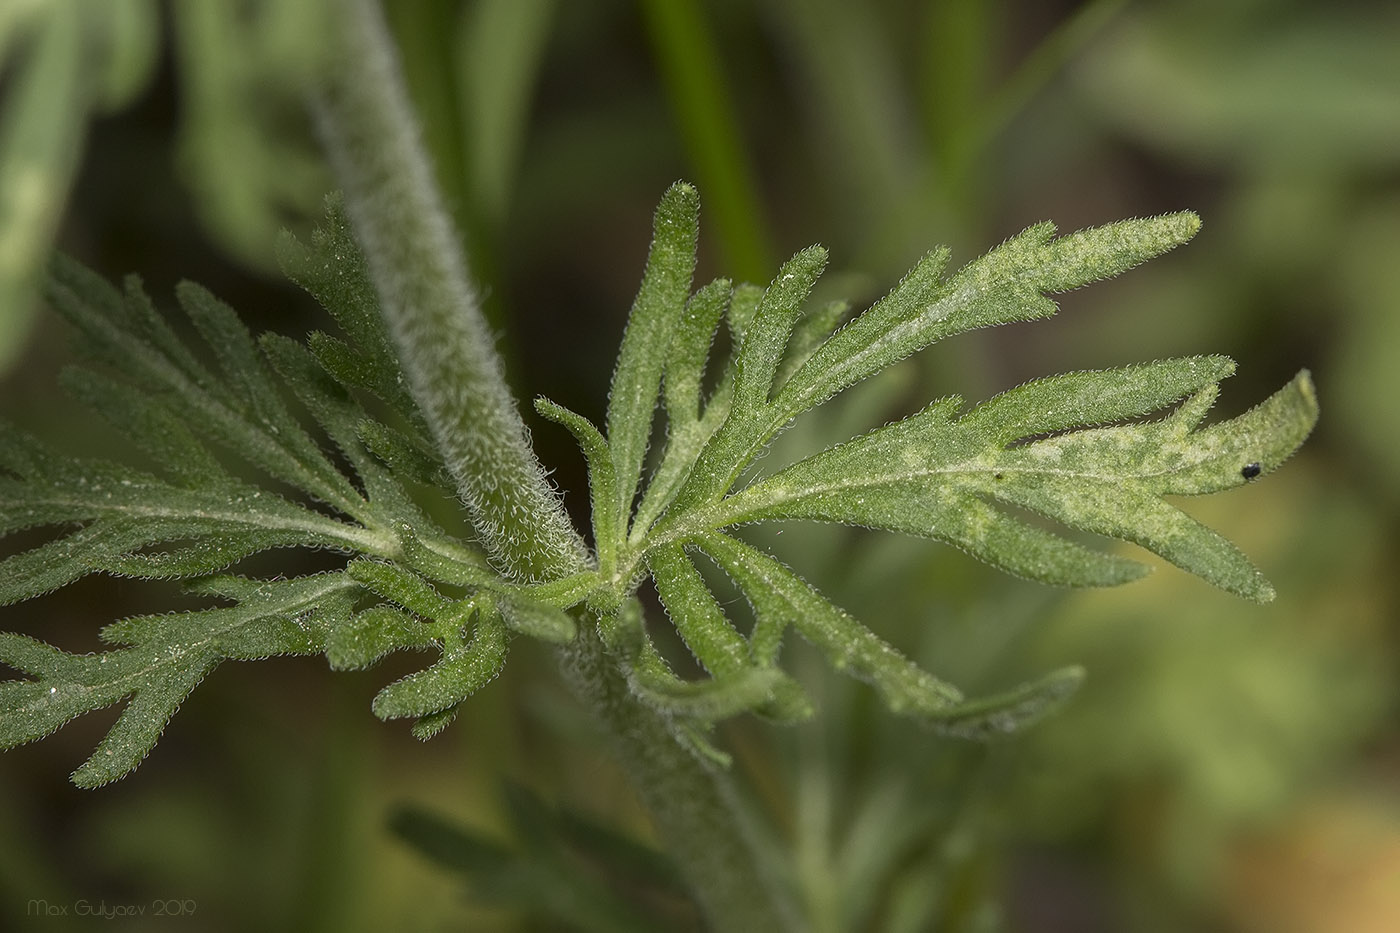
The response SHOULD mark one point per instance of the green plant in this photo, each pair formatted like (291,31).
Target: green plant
(410,396)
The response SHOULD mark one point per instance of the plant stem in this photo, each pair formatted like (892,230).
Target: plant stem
(429,303)
(697,820)
(455,376)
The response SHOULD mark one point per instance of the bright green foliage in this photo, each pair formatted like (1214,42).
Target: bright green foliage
(962,478)
(1071,448)
(655,316)
(466,667)
(937,476)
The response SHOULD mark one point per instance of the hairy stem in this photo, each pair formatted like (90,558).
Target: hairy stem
(429,303)
(455,376)
(697,820)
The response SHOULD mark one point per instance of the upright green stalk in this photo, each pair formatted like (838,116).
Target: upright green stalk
(454,374)
(430,304)
(697,820)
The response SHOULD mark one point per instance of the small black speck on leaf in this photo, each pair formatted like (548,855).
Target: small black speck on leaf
(1250,470)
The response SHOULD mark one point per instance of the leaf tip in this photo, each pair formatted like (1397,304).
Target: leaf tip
(1261,591)
(92,774)
(428,727)
(1132,570)
(1184,224)
(684,190)
(1307,391)
(1066,680)
(681,200)
(1220,366)
(386,705)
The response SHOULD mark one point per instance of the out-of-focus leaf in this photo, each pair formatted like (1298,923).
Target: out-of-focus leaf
(1267,88)
(501,43)
(45,110)
(245,146)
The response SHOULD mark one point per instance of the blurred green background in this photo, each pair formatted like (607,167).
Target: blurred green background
(1227,767)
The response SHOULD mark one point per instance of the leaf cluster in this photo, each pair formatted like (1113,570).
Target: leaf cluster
(1069,448)
(265,443)
(239,470)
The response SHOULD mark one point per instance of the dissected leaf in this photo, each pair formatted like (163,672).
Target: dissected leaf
(427,726)
(767,334)
(811,331)
(243,415)
(942,477)
(400,586)
(1068,449)
(405,456)
(126,512)
(442,558)
(467,665)
(695,613)
(367,636)
(116,519)
(705,700)
(151,424)
(332,269)
(1059,447)
(1008,284)
(165,657)
(782,599)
